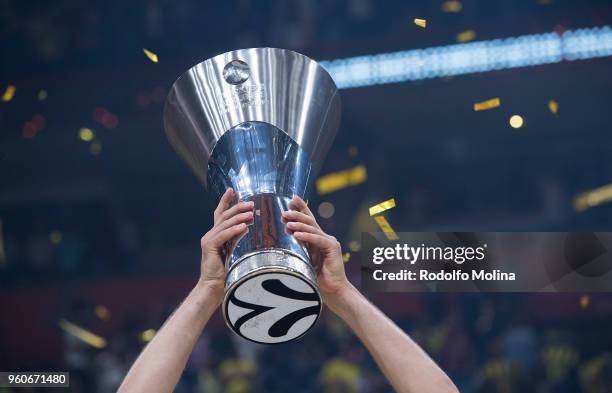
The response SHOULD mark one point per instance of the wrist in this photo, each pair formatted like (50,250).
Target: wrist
(339,300)
(209,292)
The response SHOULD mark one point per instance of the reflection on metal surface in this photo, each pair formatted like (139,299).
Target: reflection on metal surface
(264,165)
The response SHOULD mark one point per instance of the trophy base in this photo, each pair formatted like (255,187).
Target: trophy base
(271,297)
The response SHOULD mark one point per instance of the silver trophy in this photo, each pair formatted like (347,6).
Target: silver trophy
(260,121)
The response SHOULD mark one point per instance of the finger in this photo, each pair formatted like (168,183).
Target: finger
(301,227)
(300,205)
(292,215)
(320,241)
(245,217)
(228,234)
(236,209)
(224,203)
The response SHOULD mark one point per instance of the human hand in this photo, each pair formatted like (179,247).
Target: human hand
(324,250)
(230,224)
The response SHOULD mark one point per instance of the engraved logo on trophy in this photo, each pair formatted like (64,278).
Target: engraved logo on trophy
(250,95)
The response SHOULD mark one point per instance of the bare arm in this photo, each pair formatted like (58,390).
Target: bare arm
(407,367)
(161,363)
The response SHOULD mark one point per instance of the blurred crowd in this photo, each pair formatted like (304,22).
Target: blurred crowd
(486,343)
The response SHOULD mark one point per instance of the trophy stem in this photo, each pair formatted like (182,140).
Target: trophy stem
(271,294)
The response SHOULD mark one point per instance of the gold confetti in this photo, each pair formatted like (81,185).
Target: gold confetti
(452,6)
(553,106)
(147,335)
(339,180)
(42,95)
(84,335)
(9,93)
(152,56)
(86,134)
(466,36)
(102,312)
(420,22)
(593,198)
(488,104)
(55,237)
(386,227)
(584,301)
(381,207)
(346,257)
(354,246)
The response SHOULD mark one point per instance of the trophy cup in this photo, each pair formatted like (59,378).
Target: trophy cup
(260,121)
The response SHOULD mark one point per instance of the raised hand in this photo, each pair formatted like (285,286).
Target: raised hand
(230,224)
(324,250)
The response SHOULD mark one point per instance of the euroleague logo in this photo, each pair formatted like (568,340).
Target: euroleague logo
(273,308)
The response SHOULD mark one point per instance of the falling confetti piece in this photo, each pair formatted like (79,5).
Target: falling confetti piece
(386,227)
(452,6)
(584,301)
(152,56)
(338,180)
(488,104)
(102,312)
(346,257)
(42,95)
(466,36)
(84,335)
(381,207)
(147,335)
(593,198)
(86,134)
(553,106)
(420,22)
(9,93)
(354,246)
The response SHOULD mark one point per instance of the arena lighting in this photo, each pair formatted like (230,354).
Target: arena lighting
(471,58)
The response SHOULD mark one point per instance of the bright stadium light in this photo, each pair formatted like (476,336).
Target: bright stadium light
(470,58)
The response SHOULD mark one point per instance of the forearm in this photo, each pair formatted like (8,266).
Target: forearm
(161,363)
(407,367)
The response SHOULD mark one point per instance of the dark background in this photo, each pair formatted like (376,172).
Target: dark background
(121,228)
